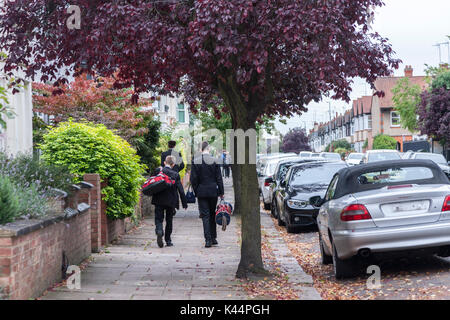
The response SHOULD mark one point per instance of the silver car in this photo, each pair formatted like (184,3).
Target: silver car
(384,207)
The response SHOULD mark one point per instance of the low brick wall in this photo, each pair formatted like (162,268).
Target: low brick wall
(32,252)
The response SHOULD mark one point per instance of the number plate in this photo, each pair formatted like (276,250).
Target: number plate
(405,208)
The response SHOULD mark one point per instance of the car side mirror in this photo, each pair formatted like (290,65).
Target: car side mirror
(316,201)
(268,180)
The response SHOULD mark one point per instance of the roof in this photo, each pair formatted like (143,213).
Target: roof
(348,176)
(386,84)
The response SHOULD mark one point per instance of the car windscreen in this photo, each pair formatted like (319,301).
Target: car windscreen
(391,176)
(383,156)
(333,156)
(314,174)
(438,158)
(355,156)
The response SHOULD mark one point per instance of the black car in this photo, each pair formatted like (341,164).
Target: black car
(302,182)
(273,182)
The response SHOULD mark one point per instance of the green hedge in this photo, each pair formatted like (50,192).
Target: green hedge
(90,148)
(382,141)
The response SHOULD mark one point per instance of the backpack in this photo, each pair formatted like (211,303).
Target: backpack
(157,184)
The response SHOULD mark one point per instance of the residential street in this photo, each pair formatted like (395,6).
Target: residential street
(425,278)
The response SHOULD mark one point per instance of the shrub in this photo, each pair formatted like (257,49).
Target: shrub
(342,152)
(344,144)
(26,170)
(9,201)
(382,141)
(90,148)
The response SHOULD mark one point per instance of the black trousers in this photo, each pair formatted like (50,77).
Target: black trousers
(159,219)
(207,208)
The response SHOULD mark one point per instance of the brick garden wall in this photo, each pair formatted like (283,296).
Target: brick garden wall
(31,263)
(31,251)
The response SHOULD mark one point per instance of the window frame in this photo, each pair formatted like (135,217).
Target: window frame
(399,119)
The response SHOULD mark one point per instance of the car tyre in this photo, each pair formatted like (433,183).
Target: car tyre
(280,222)
(342,268)
(273,209)
(325,258)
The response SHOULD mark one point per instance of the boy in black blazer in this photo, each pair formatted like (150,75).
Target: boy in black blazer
(206,180)
(167,201)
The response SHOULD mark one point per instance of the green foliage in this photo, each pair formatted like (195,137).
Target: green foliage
(5,110)
(442,80)
(406,99)
(382,141)
(90,148)
(366,144)
(147,145)
(344,144)
(9,201)
(164,139)
(39,129)
(342,152)
(28,170)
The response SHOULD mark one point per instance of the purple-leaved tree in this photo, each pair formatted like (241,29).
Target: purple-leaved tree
(260,57)
(296,141)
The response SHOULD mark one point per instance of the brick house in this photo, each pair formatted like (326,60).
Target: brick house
(368,117)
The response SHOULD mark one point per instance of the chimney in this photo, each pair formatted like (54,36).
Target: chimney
(408,71)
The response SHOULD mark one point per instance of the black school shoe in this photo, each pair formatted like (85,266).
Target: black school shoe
(208,244)
(159,238)
(169,244)
(214,242)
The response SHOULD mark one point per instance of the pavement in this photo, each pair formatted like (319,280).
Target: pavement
(135,268)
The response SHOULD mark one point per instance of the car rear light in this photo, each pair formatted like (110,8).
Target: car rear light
(446,206)
(266,184)
(355,212)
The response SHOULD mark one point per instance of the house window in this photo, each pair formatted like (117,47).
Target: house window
(369,122)
(181,113)
(395,119)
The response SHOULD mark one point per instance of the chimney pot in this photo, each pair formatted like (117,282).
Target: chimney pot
(409,71)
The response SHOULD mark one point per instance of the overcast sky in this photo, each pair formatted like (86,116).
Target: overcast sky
(413,28)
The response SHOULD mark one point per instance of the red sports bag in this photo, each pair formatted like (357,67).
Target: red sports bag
(157,184)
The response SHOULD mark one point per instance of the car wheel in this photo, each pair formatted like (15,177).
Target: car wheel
(342,268)
(326,259)
(280,222)
(273,209)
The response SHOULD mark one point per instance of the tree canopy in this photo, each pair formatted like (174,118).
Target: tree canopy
(406,99)
(434,108)
(296,141)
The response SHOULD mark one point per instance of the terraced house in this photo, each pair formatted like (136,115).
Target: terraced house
(367,117)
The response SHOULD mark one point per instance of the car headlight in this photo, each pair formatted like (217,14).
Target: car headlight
(297,204)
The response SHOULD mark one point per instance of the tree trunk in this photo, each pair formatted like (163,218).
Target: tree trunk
(245,181)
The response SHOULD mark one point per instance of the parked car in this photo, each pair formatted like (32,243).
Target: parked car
(315,155)
(380,155)
(383,207)
(354,158)
(272,183)
(305,154)
(435,157)
(262,161)
(331,156)
(302,182)
(266,172)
